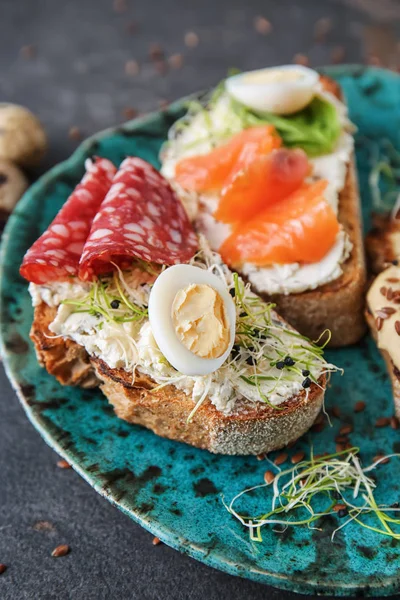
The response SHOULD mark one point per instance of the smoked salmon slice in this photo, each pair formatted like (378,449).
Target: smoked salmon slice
(301,228)
(210,171)
(266,180)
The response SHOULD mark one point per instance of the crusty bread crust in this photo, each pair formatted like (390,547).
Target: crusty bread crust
(254,428)
(66,360)
(338,305)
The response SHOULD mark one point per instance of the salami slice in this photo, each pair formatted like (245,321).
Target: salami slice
(55,255)
(141,217)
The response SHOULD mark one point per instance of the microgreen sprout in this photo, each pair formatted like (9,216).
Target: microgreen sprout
(330,479)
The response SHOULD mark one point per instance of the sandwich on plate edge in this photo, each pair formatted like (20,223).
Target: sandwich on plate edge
(128,297)
(383,298)
(265,167)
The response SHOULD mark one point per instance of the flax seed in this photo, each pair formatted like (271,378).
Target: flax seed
(392,279)
(281,458)
(359,406)
(301,59)
(389,294)
(341,439)
(379,457)
(339,506)
(268,476)
(382,422)
(336,411)
(75,133)
(298,457)
(156,541)
(191,39)
(318,427)
(379,323)
(345,429)
(132,68)
(397,327)
(383,290)
(61,550)
(63,464)
(3,568)
(394,422)
(262,25)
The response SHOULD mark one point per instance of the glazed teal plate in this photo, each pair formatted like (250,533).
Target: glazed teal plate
(174,490)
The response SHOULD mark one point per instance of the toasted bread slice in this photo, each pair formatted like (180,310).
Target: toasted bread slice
(338,305)
(254,428)
(383,248)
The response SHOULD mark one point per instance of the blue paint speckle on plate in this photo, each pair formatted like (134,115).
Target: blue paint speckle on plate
(174,490)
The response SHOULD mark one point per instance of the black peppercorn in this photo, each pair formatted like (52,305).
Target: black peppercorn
(115,304)
(280,364)
(305,372)
(306,383)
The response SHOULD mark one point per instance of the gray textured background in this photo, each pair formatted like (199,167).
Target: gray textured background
(74,75)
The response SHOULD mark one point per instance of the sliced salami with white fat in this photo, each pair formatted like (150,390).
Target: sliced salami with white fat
(140,218)
(55,255)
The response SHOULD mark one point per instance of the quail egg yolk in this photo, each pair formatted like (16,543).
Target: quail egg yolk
(200,320)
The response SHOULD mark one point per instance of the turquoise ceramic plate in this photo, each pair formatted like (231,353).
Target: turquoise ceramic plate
(174,490)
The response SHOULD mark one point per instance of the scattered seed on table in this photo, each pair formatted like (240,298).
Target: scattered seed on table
(28,52)
(301,59)
(61,550)
(394,422)
(281,458)
(120,6)
(156,541)
(74,133)
(132,68)
(129,113)
(341,439)
(335,411)
(262,25)
(359,406)
(382,422)
(345,429)
(156,52)
(291,444)
(383,290)
(175,61)
(191,39)
(268,476)
(383,461)
(63,464)
(338,54)
(318,427)
(260,456)
(296,458)
(340,447)
(3,568)
(379,323)
(338,507)
(321,29)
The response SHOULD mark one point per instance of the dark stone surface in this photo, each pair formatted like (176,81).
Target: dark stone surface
(77,78)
